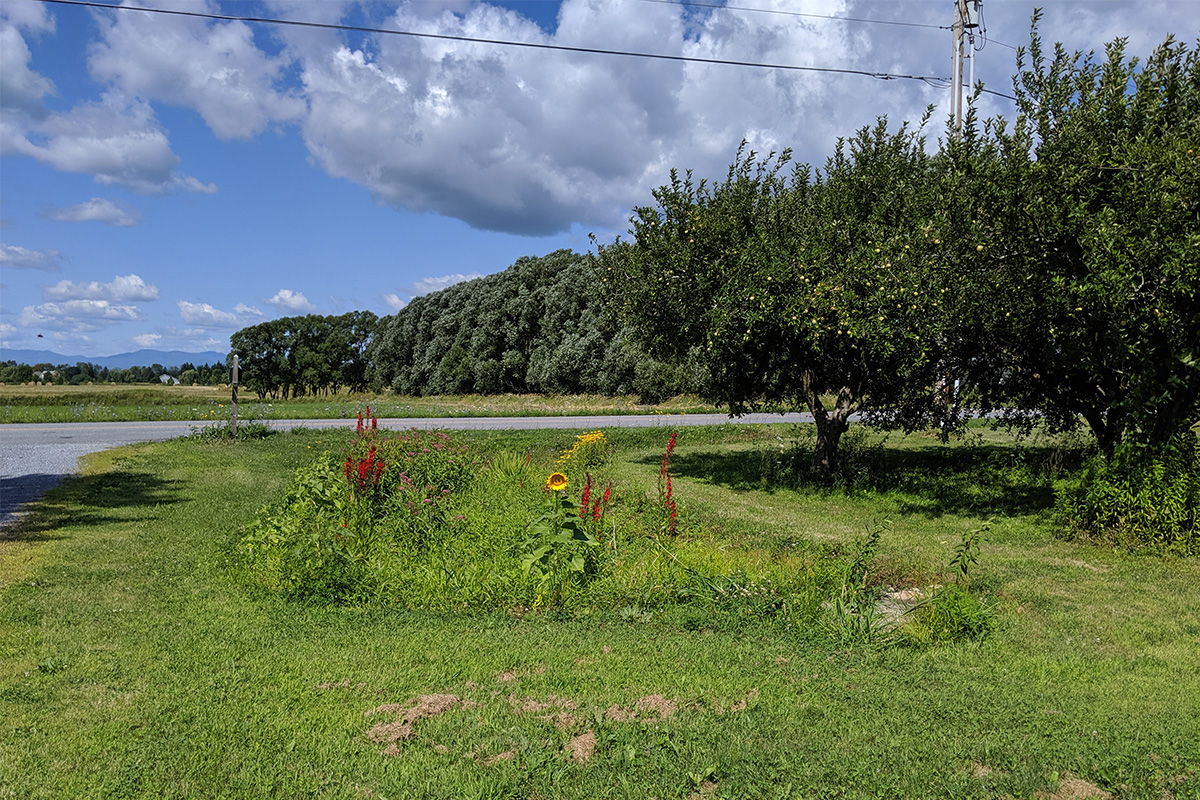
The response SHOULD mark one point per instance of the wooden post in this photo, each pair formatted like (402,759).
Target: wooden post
(234,385)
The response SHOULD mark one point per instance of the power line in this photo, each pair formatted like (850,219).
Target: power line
(887,76)
(725,7)
(796,14)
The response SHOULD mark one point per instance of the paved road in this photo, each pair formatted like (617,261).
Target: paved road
(34,457)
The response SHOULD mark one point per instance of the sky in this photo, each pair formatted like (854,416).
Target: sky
(166,180)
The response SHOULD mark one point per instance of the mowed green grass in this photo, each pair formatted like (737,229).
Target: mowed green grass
(131,402)
(133,665)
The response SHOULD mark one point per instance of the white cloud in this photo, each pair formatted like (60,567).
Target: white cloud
(206,316)
(14,257)
(530,141)
(521,140)
(117,140)
(394,301)
(147,339)
(7,330)
(21,89)
(77,315)
(287,300)
(98,209)
(427,285)
(214,68)
(122,289)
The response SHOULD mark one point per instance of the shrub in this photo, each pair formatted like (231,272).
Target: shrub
(1138,498)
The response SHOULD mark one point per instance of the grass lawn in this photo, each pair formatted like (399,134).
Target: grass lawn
(129,402)
(132,663)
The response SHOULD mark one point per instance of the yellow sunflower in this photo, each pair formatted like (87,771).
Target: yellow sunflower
(556,481)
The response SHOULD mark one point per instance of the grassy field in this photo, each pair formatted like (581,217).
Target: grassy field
(122,402)
(133,664)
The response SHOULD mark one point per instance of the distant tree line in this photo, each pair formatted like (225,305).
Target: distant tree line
(302,356)
(544,325)
(86,372)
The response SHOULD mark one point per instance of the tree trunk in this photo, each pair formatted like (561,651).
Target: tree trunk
(831,424)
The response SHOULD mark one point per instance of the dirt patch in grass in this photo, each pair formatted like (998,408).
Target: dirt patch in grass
(1071,788)
(561,712)
(646,710)
(391,733)
(582,747)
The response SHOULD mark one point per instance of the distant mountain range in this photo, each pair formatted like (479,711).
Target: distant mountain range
(138,358)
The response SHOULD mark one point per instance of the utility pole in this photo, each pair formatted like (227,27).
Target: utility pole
(966,20)
(233,406)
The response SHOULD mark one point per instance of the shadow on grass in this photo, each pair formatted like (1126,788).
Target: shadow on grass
(86,500)
(931,480)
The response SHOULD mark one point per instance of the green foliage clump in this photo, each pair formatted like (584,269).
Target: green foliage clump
(1139,497)
(308,355)
(225,432)
(353,529)
(542,325)
(416,520)
(951,614)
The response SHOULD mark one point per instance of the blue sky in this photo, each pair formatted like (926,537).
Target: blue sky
(167,180)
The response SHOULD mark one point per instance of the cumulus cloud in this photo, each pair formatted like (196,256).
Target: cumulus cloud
(427,285)
(287,300)
(77,315)
(147,339)
(14,257)
(532,141)
(522,140)
(21,89)
(394,301)
(214,68)
(122,289)
(206,316)
(98,209)
(117,140)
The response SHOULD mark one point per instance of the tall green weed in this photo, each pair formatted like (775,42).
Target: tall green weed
(1138,498)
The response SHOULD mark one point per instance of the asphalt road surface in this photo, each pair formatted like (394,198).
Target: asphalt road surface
(36,456)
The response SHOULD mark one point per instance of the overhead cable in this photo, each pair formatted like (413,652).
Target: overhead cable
(886,76)
(831,17)
(726,7)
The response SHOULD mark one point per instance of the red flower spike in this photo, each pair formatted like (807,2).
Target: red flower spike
(585,501)
(596,512)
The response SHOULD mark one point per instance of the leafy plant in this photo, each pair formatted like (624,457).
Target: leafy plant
(852,619)
(560,548)
(950,614)
(966,554)
(1141,496)
(589,451)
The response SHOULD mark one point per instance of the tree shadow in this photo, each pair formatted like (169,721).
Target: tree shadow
(933,480)
(82,500)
